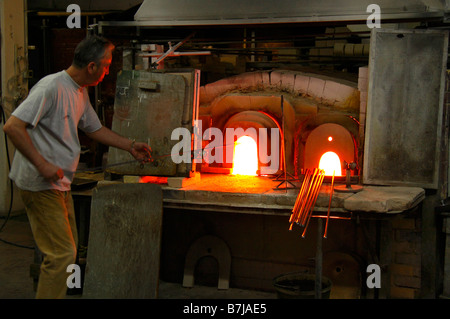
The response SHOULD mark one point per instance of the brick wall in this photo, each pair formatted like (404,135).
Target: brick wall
(405,265)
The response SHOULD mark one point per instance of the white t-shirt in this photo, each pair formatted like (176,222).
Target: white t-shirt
(54,108)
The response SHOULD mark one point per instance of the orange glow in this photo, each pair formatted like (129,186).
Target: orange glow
(245,157)
(330,138)
(153,179)
(330,163)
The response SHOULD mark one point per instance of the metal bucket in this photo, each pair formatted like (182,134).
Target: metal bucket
(300,286)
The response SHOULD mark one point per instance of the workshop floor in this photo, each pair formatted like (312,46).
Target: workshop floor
(16,283)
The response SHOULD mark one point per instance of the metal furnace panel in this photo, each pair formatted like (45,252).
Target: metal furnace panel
(405,107)
(148,106)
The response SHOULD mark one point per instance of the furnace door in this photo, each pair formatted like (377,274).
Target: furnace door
(148,106)
(405,107)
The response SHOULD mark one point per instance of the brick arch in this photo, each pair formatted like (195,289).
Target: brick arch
(261,90)
(226,106)
(331,91)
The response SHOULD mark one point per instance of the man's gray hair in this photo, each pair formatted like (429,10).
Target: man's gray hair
(90,49)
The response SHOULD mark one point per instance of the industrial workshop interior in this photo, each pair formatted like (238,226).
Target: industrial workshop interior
(299,148)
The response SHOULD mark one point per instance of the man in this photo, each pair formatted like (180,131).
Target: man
(44,131)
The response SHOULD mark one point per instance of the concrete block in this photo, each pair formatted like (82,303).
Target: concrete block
(314,53)
(362,109)
(407,281)
(359,49)
(363,84)
(366,49)
(246,80)
(131,179)
(338,49)
(321,43)
(341,32)
(275,79)
(363,97)
(406,270)
(305,106)
(404,223)
(265,79)
(316,87)
(330,31)
(349,49)
(412,259)
(326,52)
(331,92)
(288,80)
(363,72)
(403,293)
(301,83)
(330,43)
(385,199)
(180,182)
(219,87)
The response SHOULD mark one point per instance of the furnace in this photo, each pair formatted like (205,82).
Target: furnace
(247,134)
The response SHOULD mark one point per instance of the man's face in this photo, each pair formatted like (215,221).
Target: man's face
(98,71)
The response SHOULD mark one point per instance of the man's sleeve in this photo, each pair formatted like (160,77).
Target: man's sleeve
(34,107)
(89,121)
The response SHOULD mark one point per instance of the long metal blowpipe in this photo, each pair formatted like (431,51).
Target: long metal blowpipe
(310,197)
(316,193)
(295,210)
(311,183)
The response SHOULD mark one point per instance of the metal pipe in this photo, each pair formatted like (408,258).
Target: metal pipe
(299,199)
(312,205)
(312,182)
(318,261)
(329,206)
(312,196)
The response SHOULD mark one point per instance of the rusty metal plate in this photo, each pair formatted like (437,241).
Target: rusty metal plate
(148,106)
(405,107)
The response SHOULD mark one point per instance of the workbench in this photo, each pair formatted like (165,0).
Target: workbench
(256,195)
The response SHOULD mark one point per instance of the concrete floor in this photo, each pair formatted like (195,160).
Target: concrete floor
(16,283)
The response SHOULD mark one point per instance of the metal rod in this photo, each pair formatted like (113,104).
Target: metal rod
(172,49)
(283,142)
(318,261)
(329,206)
(311,196)
(312,205)
(331,217)
(307,197)
(313,200)
(299,199)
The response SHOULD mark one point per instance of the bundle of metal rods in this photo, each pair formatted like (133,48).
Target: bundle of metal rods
(306,198)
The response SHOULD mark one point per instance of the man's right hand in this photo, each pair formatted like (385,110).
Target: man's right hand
(17,132)
(50,172)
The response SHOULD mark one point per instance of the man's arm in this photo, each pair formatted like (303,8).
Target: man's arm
(16,129)
(140,151)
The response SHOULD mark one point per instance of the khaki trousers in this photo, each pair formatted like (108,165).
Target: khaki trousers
(52,220)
